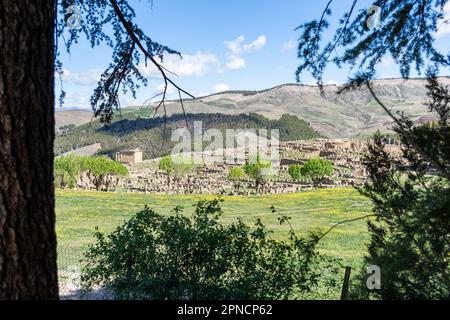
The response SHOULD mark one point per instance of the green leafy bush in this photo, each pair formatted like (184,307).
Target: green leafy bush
(166,164)
(317,169)
(66,170)
(259,170)
(295,172)
(100,170)
(236,174)
(153,256)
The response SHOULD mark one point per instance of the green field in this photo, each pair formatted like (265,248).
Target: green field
(79,212)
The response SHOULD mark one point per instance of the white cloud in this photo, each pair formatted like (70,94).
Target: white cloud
(288,46)
(237,48)
(84,78)
(387,61)
(127,101)
(82,100)
(331,83)
(444,25)
(191,65)
(258,44)
(235,63)
(221,87)
(77,100)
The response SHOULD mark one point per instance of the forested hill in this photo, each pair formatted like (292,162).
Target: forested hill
(149,134)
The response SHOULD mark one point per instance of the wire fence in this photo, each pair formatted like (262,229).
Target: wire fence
(70,263)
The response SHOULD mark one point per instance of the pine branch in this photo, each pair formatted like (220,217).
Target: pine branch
(344,222)
(404,131)
(162,70)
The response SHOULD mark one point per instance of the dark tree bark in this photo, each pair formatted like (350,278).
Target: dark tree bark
(27,219)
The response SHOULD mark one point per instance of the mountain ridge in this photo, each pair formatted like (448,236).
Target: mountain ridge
(352,114)
(303,85)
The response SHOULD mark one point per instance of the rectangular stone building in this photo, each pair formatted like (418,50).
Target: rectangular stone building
(130,157)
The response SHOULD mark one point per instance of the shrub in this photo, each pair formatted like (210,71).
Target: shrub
(100,170)
(176,257)
(166,165)
(258,170)
(295,172)
(236,175)
(317,169)
(66,170)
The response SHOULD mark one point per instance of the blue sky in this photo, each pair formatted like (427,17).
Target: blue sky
(232,44)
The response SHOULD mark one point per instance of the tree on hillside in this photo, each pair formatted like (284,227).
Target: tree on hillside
(182,167)
(317,169)
(258,170)
(295,172)
(166,165)
(28,30)
(236,175)
(411,192)
(67,169)
(101,170)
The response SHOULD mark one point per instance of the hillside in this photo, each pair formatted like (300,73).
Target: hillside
(352,114)
(71,117)
(132,132)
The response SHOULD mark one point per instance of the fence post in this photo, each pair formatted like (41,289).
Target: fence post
(346,283)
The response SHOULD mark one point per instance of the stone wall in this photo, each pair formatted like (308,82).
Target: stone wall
(212,179)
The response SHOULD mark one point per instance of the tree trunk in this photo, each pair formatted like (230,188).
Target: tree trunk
(168,183)
(257,185)
(27,218)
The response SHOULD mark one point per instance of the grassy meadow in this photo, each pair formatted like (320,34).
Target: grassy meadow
(79,212)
